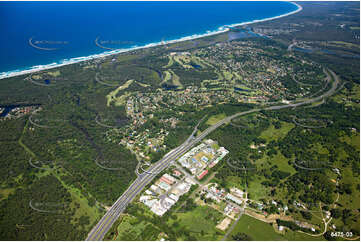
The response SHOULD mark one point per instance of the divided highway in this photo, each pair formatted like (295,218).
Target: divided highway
(106,222)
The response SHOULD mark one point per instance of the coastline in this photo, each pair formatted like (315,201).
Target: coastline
(75,60)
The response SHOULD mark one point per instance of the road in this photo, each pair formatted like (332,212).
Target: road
(291,45)
(106,222)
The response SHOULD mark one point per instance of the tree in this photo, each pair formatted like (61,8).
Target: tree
(306,215)
(336,213)
(346,188)
(241,237)
(277,124)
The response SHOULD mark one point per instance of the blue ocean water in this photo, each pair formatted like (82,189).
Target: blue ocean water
(69,29)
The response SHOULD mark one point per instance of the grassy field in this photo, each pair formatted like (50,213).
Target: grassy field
(279,160)
(343,43)
(78,198)
(201,221)
(242,86)
(256,189)
(297,236)
(183,61)
(215,146)
(124,58)
(112,95)
(167,77)
(347,97)
(200,62)
(54,73)
(274,134)
(175,80)
(215,118)
(130,228)
(256,229)
(354,140)
(227,75)
(317,147)
(4,193)
(259,230)
(233,181)
(170,62)
(142,84)
(350,201)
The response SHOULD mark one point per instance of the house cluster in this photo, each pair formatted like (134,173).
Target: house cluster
(273,32)
(16,112)
(305,225)
(234,199)
(231,210)
(299,205)
(140,106)
(165,192)
(266,75)
(214,193)
(202,157)
(145,142)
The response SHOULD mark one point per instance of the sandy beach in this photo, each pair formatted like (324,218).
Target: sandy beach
(118,51)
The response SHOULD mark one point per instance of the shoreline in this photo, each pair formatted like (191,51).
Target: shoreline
(75,60)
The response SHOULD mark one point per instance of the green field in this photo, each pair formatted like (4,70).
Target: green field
(233,181)
(170,62)
(346,44)
(113,94)
(297,236)
(256,189)
(354,140)
(227,75)
(273,134)
(83,208)
(175,80)
(4,193)
(350,201)
(259,230)
(256,229)
(349,97)
(167,76)
(130,228)
(215,118)
(279,160)
(201,222)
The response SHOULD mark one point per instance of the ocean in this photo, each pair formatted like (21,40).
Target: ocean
(41,34)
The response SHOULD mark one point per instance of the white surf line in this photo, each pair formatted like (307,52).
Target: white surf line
(74,60)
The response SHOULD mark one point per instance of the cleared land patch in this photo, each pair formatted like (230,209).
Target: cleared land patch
(201,222)
(256,229)
(273,134)
(215,118)
(112,95)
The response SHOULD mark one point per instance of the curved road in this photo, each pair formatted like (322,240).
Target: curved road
(106,222)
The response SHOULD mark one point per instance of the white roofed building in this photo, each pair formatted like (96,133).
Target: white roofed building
(234,199)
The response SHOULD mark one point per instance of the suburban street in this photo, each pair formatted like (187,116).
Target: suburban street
(106,222)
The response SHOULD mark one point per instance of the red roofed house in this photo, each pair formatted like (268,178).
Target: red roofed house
(176,173)
(200,176)
(166,180)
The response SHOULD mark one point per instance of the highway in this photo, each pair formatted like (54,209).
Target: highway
(106,222)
